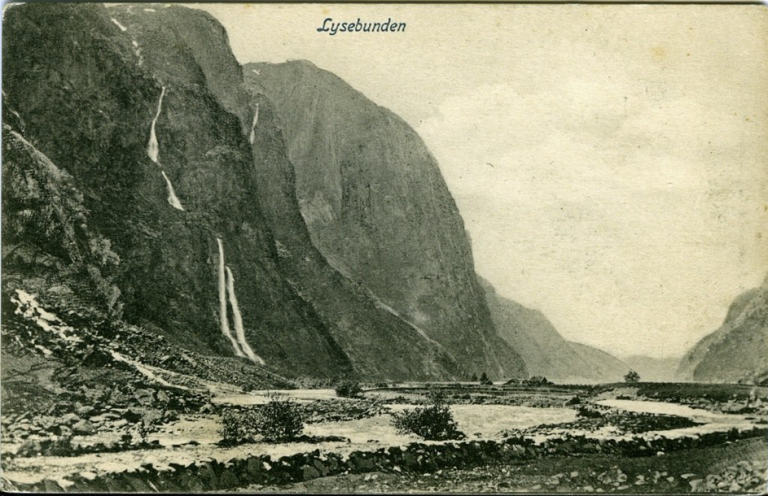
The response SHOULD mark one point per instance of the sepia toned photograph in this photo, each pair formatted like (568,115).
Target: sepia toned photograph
(384,248)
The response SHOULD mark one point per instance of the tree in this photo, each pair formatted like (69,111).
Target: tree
(485,381)
(632,376)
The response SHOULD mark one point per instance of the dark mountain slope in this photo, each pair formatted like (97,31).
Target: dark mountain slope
(737,350)
(166,34)
(379,211)
(87,100)
(545,351)
(379,343)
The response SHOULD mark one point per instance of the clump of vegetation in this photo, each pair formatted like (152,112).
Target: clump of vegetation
(348,389)
(484,380)
(538,380)
(305,382)
(632,377)
(434,422)
(280,419)
(589,412)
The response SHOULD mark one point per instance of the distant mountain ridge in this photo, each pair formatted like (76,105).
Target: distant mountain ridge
(545,351)
(653,369)
(737,350)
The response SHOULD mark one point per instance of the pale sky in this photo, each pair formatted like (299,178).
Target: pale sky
(628,193)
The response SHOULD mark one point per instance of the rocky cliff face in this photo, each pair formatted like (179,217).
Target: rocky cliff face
(737,350)
(545,351)
(380,213)
(86,83)
(379,343)
(169,201)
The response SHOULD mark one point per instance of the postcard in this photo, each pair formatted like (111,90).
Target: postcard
(384,248)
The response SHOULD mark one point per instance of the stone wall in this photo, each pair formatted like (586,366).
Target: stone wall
(210,475)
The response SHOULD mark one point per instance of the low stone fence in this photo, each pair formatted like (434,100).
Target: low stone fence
(209,475)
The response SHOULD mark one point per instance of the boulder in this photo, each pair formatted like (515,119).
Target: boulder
(83,427)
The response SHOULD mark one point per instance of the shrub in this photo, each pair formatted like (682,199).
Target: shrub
(485,381)
(538,380)
(305,382)
(588,412)
(434,422)
(632,376)
(348,389)
(278,420)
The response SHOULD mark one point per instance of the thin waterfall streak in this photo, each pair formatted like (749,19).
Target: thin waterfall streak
(172,198)
(252,137)
(223,303)
(239,330)
(153,149)
(117,23)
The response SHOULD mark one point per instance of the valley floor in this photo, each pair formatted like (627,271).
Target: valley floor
(641,439)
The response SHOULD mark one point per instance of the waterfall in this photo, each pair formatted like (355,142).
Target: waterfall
(172,198)
(153,151)
(252,137)
(223,302)
(239,320)
(117,23)
(152,148)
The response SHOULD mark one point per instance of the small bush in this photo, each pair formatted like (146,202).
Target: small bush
(434,422)
(278,420)
(485,381)
(538,380)
(348,389)
(588,412)
(632,376)
(305,382)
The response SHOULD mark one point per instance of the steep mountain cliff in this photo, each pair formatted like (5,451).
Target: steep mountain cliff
(378,342)
(165,170)
(176,207)
(737,350)
(378,210)
(544,350)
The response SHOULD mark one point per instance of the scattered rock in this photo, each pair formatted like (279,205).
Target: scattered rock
(83,427)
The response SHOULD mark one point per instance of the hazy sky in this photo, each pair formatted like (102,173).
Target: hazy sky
(628,193)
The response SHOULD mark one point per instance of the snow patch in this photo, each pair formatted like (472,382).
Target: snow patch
(28,307)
